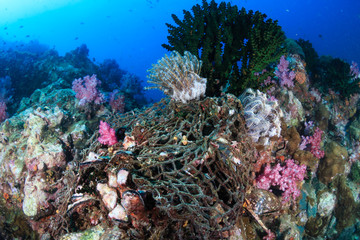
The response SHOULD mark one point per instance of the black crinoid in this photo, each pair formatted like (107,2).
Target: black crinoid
(233,44)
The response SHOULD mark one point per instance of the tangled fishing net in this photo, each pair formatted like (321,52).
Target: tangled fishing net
(181,169)
(195,160)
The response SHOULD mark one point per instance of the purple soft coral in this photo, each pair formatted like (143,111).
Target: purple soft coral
(3,114)
(285,76)
(86,90)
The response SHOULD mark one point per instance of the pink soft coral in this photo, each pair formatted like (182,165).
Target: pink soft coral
(313,143)
(107,134)
(86,90)
(285,177)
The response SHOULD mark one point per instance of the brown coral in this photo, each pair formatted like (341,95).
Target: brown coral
(293,138)
(334,162)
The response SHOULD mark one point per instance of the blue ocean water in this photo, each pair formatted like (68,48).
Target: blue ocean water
(131,32)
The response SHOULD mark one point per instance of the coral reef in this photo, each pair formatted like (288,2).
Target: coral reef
(3,113)
(37,64)
(277,164)
(346,210)
(310,55)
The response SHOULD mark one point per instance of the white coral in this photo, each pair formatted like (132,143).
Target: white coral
(262,116)
(178,77)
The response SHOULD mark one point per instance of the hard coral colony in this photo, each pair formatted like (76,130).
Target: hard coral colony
(275,162)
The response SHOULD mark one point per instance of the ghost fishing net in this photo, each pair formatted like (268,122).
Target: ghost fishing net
(195,159)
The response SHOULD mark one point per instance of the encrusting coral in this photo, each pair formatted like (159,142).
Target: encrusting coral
(178,76)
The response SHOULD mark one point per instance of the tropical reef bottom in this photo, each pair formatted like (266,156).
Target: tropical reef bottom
(178,171)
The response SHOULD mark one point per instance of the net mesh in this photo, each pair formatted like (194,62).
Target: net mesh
(195,159)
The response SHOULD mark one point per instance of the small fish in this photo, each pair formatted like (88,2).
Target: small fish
(5,28)
(76,38)
(82,23)
(27,36)
(21,26)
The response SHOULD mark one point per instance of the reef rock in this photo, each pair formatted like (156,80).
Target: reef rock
(34,195)
(326,203)
(333,163)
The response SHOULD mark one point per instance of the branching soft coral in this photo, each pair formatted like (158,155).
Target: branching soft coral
(285,177)
(312,143)
(107,134)
(286,77)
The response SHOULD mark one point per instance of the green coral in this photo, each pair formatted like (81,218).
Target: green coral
(311,56)
(355,172)
(232,44)
(335,75)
